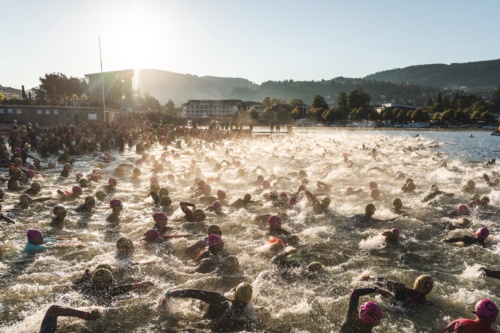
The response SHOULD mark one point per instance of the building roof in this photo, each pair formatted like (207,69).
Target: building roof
(394,105)
(113,72)
(10,88)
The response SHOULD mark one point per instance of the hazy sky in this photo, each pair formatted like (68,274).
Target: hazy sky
(257,40)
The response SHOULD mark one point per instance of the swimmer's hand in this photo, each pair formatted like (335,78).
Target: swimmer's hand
(385,293)
(450,194)
(145,284)
(389,234)
(94,314)
(364,277)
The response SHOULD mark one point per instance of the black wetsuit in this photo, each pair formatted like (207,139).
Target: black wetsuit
(105,296)
(467,240)
(187,212)
(404,294)
(56,220)
(64,173)
(352,323)
(432,195)
(83,208)
(278,232)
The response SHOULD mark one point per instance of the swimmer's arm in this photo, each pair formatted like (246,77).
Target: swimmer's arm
(453,240)
(490,273)
(128,287)
(450,327)
(7,219)
(125,164)
(204,296)
(352,308)
(62,311)
(41,199)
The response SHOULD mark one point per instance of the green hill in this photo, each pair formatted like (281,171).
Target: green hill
(474,75)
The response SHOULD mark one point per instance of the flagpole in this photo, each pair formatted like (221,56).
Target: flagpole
(102,75)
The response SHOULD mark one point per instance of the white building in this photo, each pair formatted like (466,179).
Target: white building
(211,108)
(10,92)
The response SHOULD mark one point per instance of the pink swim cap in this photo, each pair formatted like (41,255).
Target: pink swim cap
(283,195)
(177,155)
(266,184)
(138,162)
(482,233)
(17,149)
(33,234)
(214,239)
(302,188)
(395,231)
(221,194)
(273,221)
(370,312)
(31,167)
(170,176)
(486,310)
(238,163)
(98,172)
(193,161)
(349,190)
(372,185)
(79,175)
(153,180)
(114,203)
(401,175)
(206,189)
(293,201)
(216,205)
(326,188)
(463,209)
(111,181)
(151,235)
(159,216)
(30,173)
(375,193)
(76,188)
(94,178)
(260,178)
(96,154)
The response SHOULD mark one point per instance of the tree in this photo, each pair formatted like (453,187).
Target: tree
(429,104)
(296,113)
(266,102)
(15,97)
(418,115)
(283,115)
(64,86)
(332,114)
(446,102)
(84,98)
(388,115)
(268,113)
(438,107)
(436,116)
(454,102)
(170,106)
(462,116)
(254,114)
(446,116)
(343,103)
(316,113)
(475,115)
(151,103)
(358,99)
(295,101)
(487,116)
(319,103)
(276,101)
(374,116)
(439,99)
(402,116)
(426,116)
(495,99)
(2,97)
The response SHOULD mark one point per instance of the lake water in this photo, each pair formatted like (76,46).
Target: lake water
(29,284)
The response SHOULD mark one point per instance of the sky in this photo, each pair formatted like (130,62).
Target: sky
(256,40)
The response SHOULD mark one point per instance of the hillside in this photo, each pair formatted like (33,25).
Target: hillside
(480,74)
(330,89)
(182,87)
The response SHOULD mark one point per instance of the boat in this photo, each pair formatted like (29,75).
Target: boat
(496,133)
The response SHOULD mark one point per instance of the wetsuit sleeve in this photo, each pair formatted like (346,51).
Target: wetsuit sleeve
(121,289)
(467,240)
(187,212)
(155,197)
(204,296)
(49,324)
(450,327)
(491,274)
(352,308)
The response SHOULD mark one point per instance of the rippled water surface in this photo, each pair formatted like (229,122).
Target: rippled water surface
(29,284)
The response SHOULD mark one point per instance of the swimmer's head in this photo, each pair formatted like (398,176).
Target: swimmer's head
(424,284)
(370,209)
(221,194)
(375,193)
(304,181)
(372,185)
(247,197)
(165,200)
(482,233)
(486,311)
(315,267)
(326,202)
(266,184)
(274,221)
(302,174)
(199,215)
(397,203)
(100,195)
(370,313)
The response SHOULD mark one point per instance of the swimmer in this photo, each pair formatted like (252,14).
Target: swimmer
(136,174)
(116,206)
(391,236)
(242,203)
(25,201)
(464,223)
(227,265)
(6,218)
(421,288)
(462,210)
(195,215)
(215,247)
(482,203)
(486,313)
(202,243)
(60,215)
(216,207)
(351,191)
(224,313)
(161,221)
(367,217)
(369,314)
(274,227)
(13,183)
(479,238)
(489,182)
(103,286)
(86,277)
(434,192)
(124,248)
(76,191)
(35,241)
(66,170)
(87,206)
(290,258)
(470,187)
(397,204)
(49,323)
(34,190)
(100,195)
(490,162)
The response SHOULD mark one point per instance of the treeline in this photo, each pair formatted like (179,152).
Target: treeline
(306,90)
(481,74)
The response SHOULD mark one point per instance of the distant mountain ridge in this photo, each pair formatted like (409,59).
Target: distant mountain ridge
(164,85)
(479,74)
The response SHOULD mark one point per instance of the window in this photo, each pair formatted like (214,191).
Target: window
(1,110)
(56,112)
(123,96)
(47,111)
(10,110)
(39,112)
(18,111)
